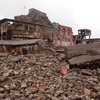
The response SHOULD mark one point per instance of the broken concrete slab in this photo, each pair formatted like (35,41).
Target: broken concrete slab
(83,59)
(82,53)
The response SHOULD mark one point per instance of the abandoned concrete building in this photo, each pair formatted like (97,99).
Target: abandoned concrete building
(19,30)
(15,30)
(64,37)
(24,30)
(83,35)
(18,33)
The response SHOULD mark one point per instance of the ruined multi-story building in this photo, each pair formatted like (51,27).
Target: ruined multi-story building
(64,37)
(33,25)
(83,36)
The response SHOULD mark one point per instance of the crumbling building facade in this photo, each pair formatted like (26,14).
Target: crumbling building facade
(64,37)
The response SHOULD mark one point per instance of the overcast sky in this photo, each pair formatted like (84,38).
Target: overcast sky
(78,14)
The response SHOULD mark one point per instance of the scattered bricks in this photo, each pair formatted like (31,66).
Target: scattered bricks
(41,84)
(4,77)
(63,70)
(19,51)
(86,72)
(1,90)
(35,76)
(2,95)
(86,92)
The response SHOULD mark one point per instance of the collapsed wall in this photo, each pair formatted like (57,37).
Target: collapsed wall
(21,46)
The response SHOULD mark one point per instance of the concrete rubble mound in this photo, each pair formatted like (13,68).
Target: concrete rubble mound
(42,75)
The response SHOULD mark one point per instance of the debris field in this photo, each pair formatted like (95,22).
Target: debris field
(43,76)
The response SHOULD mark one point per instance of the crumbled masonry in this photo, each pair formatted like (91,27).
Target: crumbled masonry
(37,76)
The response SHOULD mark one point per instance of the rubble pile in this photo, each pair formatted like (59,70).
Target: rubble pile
(41,76)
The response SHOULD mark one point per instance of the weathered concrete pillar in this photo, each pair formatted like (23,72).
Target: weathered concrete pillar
(28,27)
(4,28)
(23,26)
(37,28)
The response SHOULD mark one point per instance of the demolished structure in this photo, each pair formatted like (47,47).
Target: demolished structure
(82,36)
(34,25)
(28,30)
(42,61)
(64,37)
(17,34)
